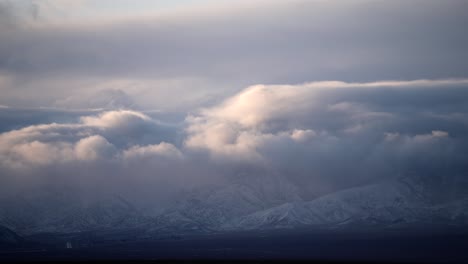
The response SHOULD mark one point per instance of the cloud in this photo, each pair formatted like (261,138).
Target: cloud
(98,154)
(92,148)
(319,137)
(81,101)
(103,99)
(92,138)
(266,111)
(39,153)
(16,14)
(162,149)
(30,153)
(115,119)
(189,56)
(303,135)
(329,135)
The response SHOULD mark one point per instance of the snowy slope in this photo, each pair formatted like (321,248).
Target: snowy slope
(65,212)
(200,210)
(386,204)
(245,202)
(209,208)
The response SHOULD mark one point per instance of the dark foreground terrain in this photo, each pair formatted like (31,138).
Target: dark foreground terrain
(423,246)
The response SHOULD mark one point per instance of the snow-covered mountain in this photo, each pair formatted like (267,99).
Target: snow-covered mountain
(209,208)
(200,210)
(66,212)
(393,203)
(245,202)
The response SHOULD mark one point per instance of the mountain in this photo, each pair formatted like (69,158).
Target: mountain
(389,204)
(209,208)
(64,212)
(249,201)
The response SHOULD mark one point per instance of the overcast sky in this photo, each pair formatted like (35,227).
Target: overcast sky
(155,51)
(329,94)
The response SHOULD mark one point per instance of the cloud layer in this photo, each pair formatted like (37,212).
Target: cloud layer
(329,135)
(208,53)
(47,144)
(321,136)
(146,110)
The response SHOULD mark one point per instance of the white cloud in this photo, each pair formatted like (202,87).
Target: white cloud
(435,134)
(38,153)
(93,148)
(303,135)
(162,149)
(322,136)
(87,140)
(327,135)
(115,119)
(259,114)
(418,138)
(439,133)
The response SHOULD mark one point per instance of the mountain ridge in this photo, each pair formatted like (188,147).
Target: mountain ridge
(245,204)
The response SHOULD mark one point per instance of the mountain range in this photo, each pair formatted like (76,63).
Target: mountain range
(246,203)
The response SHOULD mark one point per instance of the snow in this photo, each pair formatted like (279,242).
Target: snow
(248,202)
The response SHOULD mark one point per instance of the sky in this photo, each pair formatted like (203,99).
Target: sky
(78,10)
(164,95)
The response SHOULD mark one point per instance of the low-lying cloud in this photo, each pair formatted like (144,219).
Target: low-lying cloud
(321,136)
(92,138)
(329,135)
